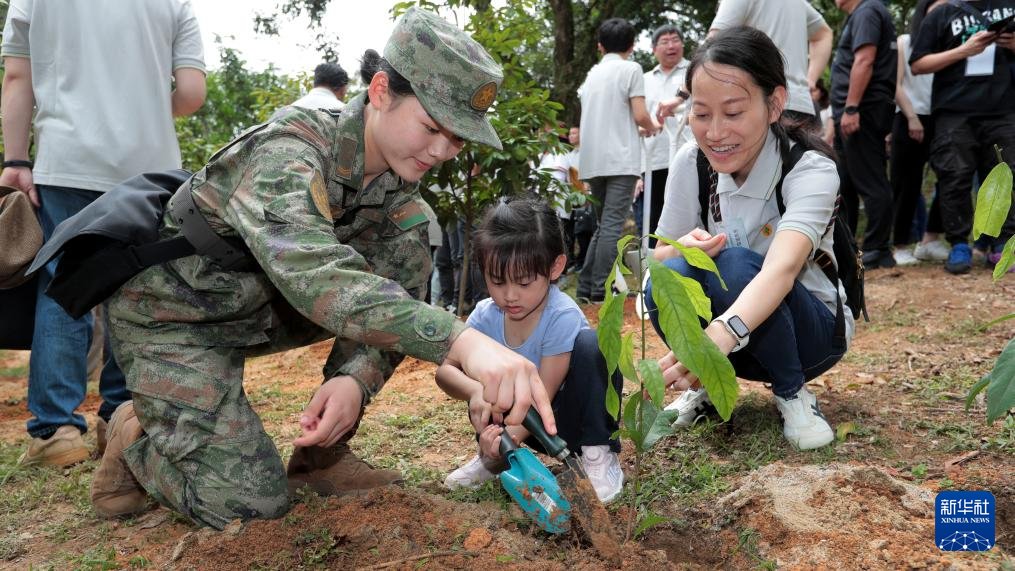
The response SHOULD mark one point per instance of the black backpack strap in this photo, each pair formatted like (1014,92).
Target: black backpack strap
(704,177)
(795,153)
(229,253)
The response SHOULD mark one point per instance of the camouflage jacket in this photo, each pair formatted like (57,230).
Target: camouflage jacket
(333,257)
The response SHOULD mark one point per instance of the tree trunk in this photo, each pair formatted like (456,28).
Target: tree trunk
(566,78)
(463,279)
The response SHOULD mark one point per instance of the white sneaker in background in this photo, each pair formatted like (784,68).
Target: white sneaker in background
(903,257)
(690,405)
(603,468)
(803,424)
(936,251)
(472,474)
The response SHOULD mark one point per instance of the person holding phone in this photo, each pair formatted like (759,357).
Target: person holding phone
(973,105)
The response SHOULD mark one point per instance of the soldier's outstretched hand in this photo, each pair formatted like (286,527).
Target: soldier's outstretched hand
(511,383)
(332,411)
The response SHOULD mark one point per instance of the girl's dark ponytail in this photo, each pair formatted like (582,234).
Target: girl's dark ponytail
(372,62)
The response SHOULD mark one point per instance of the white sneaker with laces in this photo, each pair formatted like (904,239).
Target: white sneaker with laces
(472,474)
(690,406)
(603,468)
(935,251)
(803,424)
(903,257)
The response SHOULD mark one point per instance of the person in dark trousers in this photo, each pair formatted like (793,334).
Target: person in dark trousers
(973,106)
(863,95)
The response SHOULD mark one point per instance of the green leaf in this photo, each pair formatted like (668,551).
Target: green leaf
(1007,259)
(679,321)
(694,256)
(634,432)
(657,423)
(993,202)
(702,305)
(627,358)
(976,389)
(994,322)
(843,430)
(611,319)
(612,401)
(652,380)
(647,522)
(1001,391)
(618,263)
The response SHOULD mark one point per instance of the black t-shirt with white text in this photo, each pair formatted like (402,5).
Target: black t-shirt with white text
(955,92)
(869,24)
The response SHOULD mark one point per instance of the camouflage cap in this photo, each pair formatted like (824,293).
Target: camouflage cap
(454,78)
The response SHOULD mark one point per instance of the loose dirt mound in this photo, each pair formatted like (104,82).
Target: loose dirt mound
(825,516)
(394,529)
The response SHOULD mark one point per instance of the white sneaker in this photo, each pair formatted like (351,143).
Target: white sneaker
(472,474)
(935,251)
(603,467)
(903,257)
(803,424)
(690,406)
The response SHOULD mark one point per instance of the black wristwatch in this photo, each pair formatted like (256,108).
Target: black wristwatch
(851,110)
(737,328)
(18,163)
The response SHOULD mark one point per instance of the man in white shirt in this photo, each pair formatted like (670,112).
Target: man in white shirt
(661,83)
(330,85)
(613,108)
(92,77)
(800,33)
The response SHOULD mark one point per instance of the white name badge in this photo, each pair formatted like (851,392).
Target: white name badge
(736,232)
(982,63)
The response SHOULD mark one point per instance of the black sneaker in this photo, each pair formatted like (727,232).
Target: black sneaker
(878,259)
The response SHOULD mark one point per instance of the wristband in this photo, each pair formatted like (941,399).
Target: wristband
(18,163)
(683,95)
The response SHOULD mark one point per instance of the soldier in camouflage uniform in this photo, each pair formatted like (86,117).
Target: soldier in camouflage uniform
(328,206)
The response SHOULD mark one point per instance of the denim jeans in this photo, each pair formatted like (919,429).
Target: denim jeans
(794,345)
(612,205)
(580,403)
(58,369)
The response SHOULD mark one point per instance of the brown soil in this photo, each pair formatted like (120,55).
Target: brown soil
(866,503)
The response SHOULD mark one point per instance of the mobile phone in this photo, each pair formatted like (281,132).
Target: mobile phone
(1003,25)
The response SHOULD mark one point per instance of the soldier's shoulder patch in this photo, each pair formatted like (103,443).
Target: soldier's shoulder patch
(319,196)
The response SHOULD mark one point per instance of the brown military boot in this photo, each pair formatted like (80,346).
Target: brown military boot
(64,448)
(100,438)
(335,471)
(115,491)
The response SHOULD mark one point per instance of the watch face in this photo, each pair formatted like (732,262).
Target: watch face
(738,326)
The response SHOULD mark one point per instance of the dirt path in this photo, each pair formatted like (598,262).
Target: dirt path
(732,495)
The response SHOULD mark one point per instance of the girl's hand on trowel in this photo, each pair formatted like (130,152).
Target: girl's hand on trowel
(511,383)
(479,411)
(489,441)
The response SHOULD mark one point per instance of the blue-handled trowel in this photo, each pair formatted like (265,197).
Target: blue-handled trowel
(534,487)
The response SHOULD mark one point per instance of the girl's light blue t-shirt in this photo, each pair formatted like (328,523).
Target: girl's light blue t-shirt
(558,326)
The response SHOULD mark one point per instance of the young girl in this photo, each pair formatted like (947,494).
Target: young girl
(780,321)
(520,249)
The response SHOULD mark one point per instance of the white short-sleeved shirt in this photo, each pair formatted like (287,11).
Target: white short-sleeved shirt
(101,73)
(319,98)
(559,325)
(659,87)
(790,23)
(917,87)
(610,145)
(750,213)
(557,167)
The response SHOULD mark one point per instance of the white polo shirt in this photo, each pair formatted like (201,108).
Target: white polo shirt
(750,213)
(319,98)
(610,145)
(790,24)
(661,86)
(101,72)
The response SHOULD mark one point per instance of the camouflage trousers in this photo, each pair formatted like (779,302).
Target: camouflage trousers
(204,453)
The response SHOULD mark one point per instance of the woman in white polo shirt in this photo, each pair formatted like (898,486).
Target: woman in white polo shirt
(778,320)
